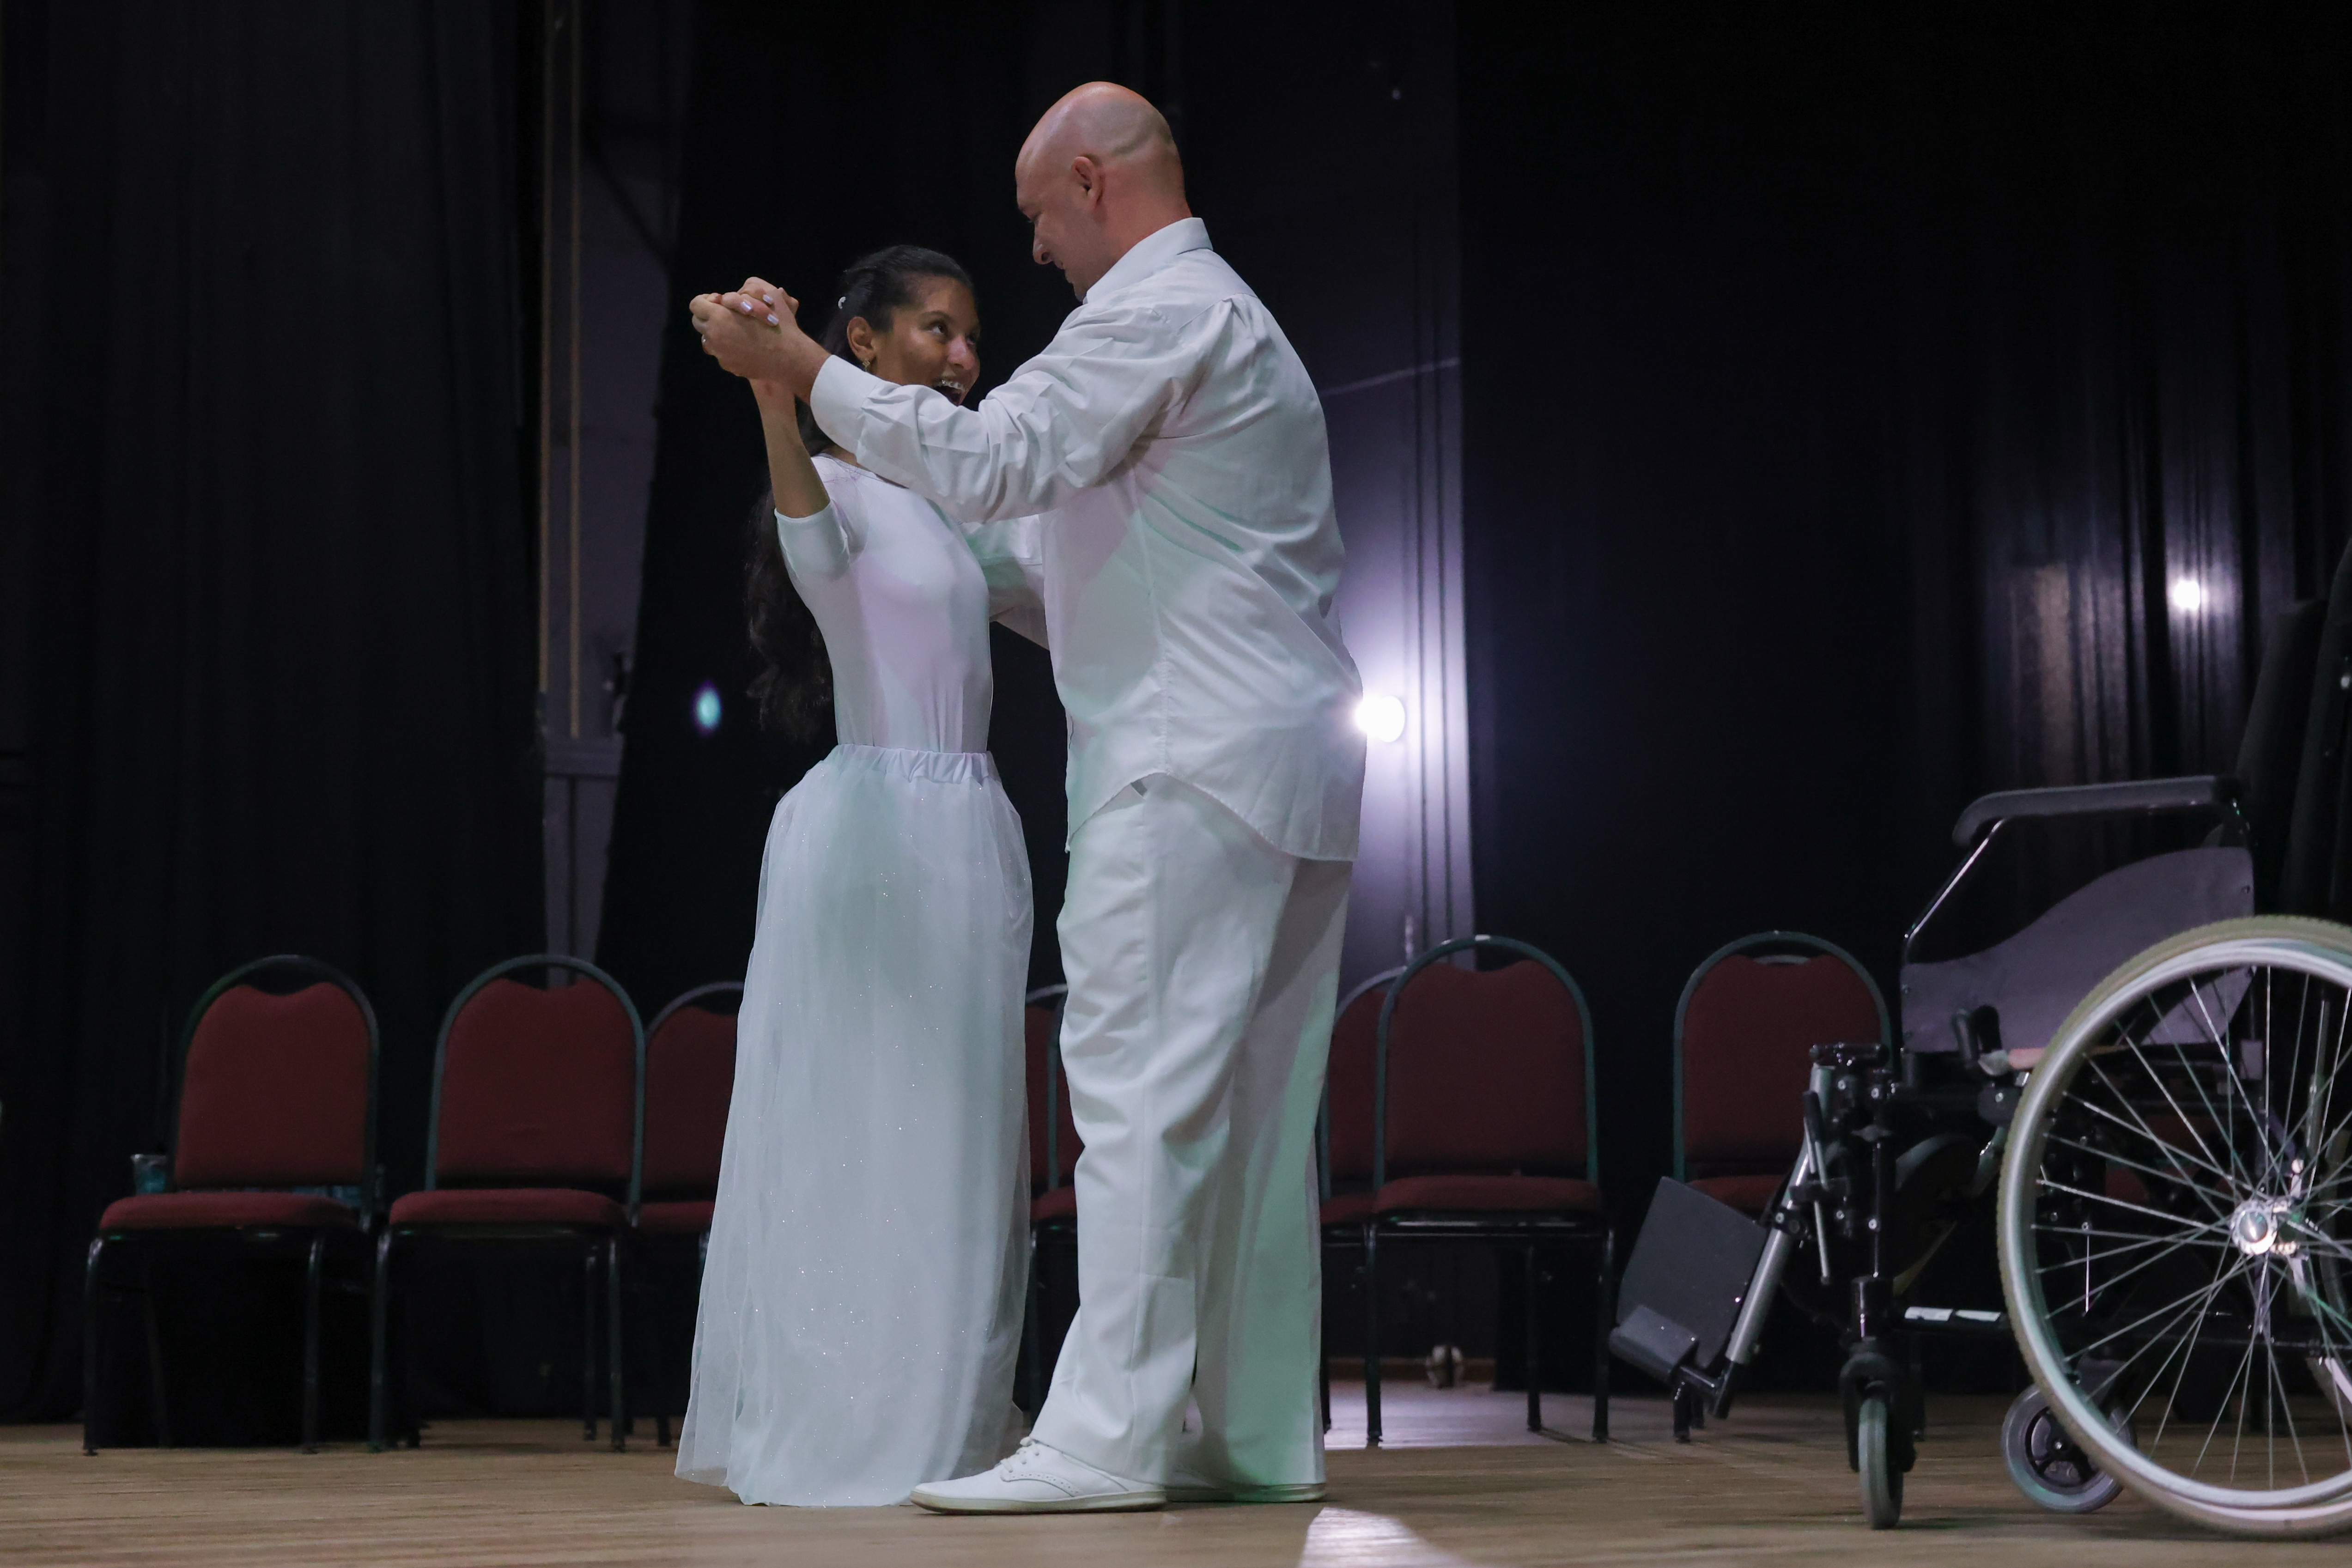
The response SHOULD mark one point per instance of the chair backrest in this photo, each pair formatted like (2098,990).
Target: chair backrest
(1347,1130)
(1744,1033)
(537,1087)
(689,1078)
(1484,1072)
(1053,1136)
(277,1087)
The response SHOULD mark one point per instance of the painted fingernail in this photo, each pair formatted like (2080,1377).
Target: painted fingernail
(747,307)
(772,321)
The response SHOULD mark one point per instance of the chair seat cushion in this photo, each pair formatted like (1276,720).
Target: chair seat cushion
(682,1216)
(1347,1209)
(510,1205)
(224,1211)
(1487,1194)
(1060,1203)
(1748,1194)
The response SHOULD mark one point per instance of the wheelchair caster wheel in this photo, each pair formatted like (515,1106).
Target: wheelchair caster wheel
(2048,1465)
(1882,1483)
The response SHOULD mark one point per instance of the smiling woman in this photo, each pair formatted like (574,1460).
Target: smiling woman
(907,315)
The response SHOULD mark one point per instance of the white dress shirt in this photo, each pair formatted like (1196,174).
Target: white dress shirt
(1174,449)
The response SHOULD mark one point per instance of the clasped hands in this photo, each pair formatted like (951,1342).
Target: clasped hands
(753,332)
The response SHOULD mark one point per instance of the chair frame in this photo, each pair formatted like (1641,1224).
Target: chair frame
(1342,1233)
(1770,940)
(1529,1230)
(609,1244)
(252,1241)
(1033,1327)
(702,1242)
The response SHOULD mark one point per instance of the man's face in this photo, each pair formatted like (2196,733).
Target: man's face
(1063,210)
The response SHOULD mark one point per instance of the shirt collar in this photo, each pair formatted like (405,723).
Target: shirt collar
(1149,254)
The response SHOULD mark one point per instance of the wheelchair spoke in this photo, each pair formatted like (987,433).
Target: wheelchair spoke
(2172,1152)
(2182,1348)
(2112,1158)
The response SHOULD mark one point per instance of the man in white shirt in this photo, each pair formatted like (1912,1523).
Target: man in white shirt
(1173,452)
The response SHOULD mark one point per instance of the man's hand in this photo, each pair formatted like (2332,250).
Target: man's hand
(751,333)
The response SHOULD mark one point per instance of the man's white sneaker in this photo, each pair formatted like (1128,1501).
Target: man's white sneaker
(1039,1479)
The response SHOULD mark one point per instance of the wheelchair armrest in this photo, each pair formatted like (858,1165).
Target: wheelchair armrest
(2204,792)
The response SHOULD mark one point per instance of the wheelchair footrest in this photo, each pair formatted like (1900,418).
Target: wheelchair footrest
(1654,1342)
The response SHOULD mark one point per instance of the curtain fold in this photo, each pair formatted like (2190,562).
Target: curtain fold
(270,435)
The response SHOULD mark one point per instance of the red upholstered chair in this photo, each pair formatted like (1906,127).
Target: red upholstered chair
(537,1140)
(689,1078)
(1343,1132)
(1054,1148)
(273,1153)
(1484,1130)
(1744,1033)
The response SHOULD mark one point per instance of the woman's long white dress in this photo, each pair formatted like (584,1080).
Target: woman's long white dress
(862,1295)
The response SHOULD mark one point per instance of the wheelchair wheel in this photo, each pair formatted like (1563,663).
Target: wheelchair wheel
(2046,1463)
(1882,1483)
(2175,1212)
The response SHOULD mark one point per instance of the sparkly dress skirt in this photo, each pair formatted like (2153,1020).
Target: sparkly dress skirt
(862,1297)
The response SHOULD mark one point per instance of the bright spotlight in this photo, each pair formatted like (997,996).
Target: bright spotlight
(1380,716)
(706,708)
(2188,594)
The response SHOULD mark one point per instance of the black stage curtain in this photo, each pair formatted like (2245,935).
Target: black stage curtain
(1848,393)
(266,419)
(797,159)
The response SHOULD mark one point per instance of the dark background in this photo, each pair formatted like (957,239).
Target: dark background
(1843,391)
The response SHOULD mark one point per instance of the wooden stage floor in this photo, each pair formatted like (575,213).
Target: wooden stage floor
(1465,1485)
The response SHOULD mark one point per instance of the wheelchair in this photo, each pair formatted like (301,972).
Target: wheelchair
(2149,1085)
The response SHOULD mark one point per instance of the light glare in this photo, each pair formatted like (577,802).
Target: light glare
(2188,594)
(1380,716)
(706,708)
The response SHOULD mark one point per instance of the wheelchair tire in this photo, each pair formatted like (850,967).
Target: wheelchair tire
(1882,1483)
(2156,1129)
(2046,1463)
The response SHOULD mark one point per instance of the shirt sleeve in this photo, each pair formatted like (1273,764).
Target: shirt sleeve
(816,549)
(1013,562)
(1066,421)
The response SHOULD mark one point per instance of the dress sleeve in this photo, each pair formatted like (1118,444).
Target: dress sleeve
(1066,421)
(1012,562)
(816,549)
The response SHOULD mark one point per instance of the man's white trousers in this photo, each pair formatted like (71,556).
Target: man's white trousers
(1203,966)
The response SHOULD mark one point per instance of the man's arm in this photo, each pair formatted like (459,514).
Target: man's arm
(1012,562)
(1068,420)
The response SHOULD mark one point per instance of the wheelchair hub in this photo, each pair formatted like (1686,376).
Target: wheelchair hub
(2259,1227)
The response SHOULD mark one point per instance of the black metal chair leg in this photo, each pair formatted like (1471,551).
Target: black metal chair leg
(379,1312)
(661,1431)
(1605,1316)
(613,1344)
(89,1300)
(1371,1335)
(157,1388)
(1033,1338)
(311,1344)
(1534,1346)
(588,1347)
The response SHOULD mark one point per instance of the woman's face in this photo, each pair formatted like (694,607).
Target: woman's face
(934,342)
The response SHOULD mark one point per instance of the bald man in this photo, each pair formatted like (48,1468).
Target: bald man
(1172,451)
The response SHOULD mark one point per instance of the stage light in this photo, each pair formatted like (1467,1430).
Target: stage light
(1380,716)
(706,708)
(2188,594)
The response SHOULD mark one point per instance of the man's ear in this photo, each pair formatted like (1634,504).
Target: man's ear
(1089,176)
(861,346)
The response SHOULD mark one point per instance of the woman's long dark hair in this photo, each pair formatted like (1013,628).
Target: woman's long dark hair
(792,690)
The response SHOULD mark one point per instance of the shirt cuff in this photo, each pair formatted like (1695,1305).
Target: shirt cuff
(839,399)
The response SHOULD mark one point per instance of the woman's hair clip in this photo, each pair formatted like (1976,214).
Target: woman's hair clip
(837,304)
